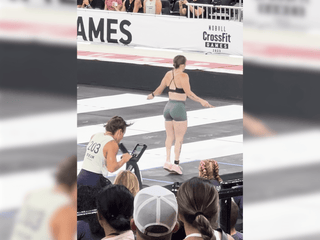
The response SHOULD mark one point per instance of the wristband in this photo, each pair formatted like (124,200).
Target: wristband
(152,94)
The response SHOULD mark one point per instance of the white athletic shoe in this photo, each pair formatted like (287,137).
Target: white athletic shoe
(176,169)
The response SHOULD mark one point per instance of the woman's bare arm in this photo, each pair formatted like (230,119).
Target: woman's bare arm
(110,151)
(158,6)
(63,223)
(137,4)
(255,126)
(161,87)
(124,6)
(182,11)
(185,83)
(118,8)
(187,89)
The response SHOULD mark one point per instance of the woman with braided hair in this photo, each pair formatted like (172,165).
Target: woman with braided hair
(198,207)
(209,169)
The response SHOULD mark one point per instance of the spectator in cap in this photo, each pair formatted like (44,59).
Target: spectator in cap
(155,214)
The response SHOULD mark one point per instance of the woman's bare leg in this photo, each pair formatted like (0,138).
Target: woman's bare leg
(170,138)
(180,129)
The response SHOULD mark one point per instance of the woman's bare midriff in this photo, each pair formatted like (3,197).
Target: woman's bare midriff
(177,96)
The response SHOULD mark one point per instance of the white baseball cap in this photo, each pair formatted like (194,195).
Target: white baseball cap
(155,206)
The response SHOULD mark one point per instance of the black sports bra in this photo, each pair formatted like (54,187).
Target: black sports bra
(177,90)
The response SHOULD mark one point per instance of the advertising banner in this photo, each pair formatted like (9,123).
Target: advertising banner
(288,14)
(167,32)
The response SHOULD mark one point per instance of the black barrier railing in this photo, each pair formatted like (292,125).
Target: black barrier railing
(133,166)
(227,190)
(225,196)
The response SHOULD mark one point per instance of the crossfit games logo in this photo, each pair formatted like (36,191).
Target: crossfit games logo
(106,30)
(216,38)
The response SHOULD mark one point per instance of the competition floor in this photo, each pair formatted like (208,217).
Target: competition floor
(212,133)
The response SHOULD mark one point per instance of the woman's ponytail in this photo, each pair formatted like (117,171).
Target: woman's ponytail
(204,227)
(198,203)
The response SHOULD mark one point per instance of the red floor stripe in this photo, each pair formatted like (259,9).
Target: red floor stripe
(157,60)
(269,50)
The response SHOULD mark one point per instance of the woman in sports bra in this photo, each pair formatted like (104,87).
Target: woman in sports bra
(175,112)
(198,207)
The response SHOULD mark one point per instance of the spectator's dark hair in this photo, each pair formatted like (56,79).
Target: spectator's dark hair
(198,203)
(179,60)
(116,123)
(115,205)
(86,198)
(86,201)
(233,214)
(66,173)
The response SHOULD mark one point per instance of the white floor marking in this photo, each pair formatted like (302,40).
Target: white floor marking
(156,123)
(212,148)
(291,150)
(38,129)
(115,101)
(288,218)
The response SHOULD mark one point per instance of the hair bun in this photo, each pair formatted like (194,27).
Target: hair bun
(120,223)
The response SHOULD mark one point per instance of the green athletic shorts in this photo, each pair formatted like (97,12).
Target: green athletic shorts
(175,110)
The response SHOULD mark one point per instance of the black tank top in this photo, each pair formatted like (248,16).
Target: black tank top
(177,90)
(130,6)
